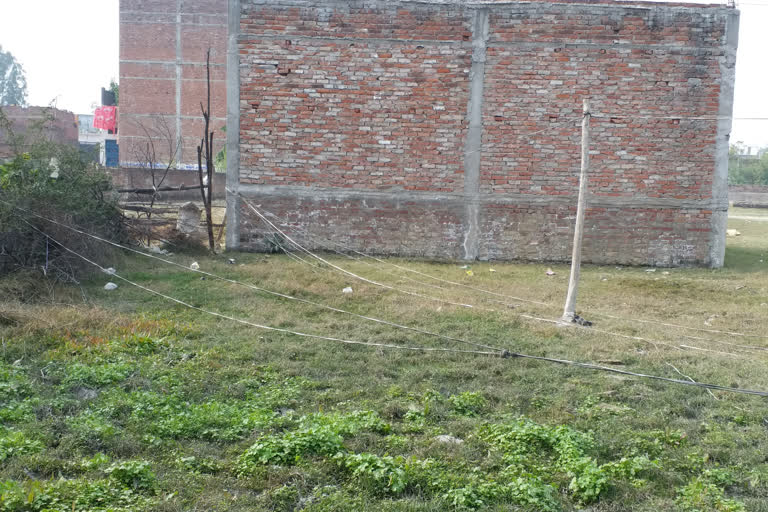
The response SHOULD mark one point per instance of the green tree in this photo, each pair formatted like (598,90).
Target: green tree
(13,82)
(743,170)
(115,88)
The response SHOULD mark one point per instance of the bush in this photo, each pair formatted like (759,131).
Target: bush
(55,181)
(134,474)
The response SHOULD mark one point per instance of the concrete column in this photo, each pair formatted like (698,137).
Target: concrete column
(473,143)
(719,221)
(233,126)
(179,76)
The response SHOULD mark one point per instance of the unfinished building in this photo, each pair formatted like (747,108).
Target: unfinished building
(450,128)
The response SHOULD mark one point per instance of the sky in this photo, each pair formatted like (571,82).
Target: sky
(71,51)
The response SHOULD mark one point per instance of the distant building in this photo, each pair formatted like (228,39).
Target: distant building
(751,152)
(51,124)
(162,76)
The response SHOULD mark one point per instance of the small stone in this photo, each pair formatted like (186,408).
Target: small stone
(194,266)
(348,289)
(448,439)
(109,271)
(86,393)
(732,232)
(110,286)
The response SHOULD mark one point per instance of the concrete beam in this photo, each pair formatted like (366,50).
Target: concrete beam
(596,201)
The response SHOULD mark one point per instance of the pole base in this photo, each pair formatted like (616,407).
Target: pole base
(569,319)
(566,320)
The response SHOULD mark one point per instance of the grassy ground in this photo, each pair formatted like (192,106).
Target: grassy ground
(123,401)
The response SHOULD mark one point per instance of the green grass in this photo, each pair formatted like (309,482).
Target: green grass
(129,402)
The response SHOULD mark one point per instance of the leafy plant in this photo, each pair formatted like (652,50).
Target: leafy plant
(17,443)
(384,473)
(319,434)
(700,496)
(97,375)
(529,446)
(135,474)
(468,403)
(291,447)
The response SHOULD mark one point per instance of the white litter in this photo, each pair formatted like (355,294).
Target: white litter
(110,271)
(110,286)
(550,272)
(491,270)
(194,266)
(465,267)
(155,249)
(348,289)
(650,270)
(231,261)
(448,439)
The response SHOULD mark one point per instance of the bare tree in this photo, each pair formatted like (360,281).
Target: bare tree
(158,153)
(205,150)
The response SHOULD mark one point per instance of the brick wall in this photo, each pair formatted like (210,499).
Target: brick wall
(448,129)
(749,196)
(34,123)
(132,177)
(163,44)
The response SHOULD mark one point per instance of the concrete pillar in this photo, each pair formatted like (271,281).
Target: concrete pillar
(233,126)
(719,221)
(473,143)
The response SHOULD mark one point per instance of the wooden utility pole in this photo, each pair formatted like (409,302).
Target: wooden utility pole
(573,285)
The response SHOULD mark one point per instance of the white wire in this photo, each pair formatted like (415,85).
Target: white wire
(264,290)
(506,354)
(558,322)
(615,317)
(253,324)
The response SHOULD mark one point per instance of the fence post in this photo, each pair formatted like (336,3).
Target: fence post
(573,284)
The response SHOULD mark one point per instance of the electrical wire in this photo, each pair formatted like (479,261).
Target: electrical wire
(655,343)
(264,290)
(253,324)
(505,355)
(536,302)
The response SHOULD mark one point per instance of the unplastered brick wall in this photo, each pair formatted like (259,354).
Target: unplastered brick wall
(452,129)
(163,45)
